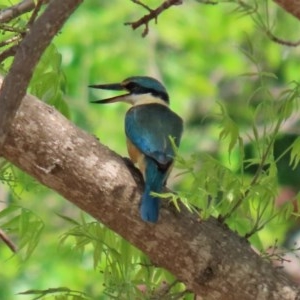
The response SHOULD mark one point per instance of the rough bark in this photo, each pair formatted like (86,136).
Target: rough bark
(210,259)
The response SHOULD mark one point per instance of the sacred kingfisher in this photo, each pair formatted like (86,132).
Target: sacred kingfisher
(149,126)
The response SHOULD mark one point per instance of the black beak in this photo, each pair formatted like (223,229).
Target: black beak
(111,86)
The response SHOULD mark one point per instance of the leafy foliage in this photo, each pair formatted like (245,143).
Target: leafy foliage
(48,82)
(238,95)
(59,293)
(25,224)
(246,203)
(295,153)
(127,272)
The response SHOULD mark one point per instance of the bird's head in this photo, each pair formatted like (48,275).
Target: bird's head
(138,87)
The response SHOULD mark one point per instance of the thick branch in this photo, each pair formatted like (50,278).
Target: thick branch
(27,56)
(210,259)
(291,6)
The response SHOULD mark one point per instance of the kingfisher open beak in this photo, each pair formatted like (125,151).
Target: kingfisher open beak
(111,86)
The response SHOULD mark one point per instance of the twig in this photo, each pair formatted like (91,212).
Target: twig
(281,41)
(14,11)
(9,41)
(210,2)
(7,241)
(142,4)
(12,29)
(8,52)
(35,12)
(153,14)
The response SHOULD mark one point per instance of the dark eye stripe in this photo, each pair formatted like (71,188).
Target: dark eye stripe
(130,86)
(137,89)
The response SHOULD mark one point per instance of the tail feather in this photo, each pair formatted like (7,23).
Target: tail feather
(155,178)
(150,207)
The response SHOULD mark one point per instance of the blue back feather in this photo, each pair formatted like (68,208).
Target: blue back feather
(149,128)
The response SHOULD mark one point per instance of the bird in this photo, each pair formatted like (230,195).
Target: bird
(150,125)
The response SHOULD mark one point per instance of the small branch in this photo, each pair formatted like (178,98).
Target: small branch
(8,52)
(210,2)
(281,41)
(15,11)
(9,28)
(153,14)
(10,41)
(7,241)
(35,13)
(142,4)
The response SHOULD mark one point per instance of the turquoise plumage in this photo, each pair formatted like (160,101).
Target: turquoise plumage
(149,125)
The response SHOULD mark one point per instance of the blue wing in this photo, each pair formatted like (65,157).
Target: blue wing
(149,127)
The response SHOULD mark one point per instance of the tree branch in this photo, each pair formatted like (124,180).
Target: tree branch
(27,56)
(282,41)
(153,14)
(15,11)
(210,259)
(7,241)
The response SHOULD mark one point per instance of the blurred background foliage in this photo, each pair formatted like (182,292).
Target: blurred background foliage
(219,65)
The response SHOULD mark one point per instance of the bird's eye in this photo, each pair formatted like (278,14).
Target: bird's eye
(131,86)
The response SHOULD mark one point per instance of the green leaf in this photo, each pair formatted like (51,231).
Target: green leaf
(268,75)
(230,129)
(295,153)
(48,81)
(26,225)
